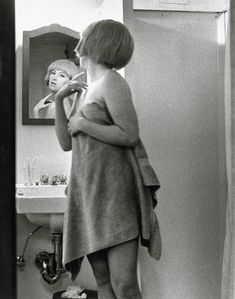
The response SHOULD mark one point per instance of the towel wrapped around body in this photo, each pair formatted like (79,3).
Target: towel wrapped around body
(111,195)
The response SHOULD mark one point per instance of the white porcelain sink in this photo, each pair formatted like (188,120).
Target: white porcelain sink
(42,205)
(40,199)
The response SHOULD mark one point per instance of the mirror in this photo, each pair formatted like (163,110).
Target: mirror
(41,47)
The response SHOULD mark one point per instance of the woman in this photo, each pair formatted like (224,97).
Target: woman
(102,220)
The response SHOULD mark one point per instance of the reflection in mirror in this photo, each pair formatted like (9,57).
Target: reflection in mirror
(48,62)
(58,73)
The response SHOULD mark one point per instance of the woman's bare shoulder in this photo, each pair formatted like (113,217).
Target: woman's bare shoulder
(114,81)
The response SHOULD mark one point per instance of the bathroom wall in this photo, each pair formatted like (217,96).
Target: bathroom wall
(177,76)
(41,140)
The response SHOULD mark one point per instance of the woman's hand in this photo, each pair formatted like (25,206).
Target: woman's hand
(75,124)
(70,87)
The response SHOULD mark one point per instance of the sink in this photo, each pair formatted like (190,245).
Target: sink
(42,205)
(40,199)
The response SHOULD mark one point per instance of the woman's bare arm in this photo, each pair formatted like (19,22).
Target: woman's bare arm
(61,125)
(61,122)
(118,99)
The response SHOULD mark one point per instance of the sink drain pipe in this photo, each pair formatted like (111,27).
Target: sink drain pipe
(51,263)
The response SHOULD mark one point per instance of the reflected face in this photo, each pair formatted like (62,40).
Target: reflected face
(57,79)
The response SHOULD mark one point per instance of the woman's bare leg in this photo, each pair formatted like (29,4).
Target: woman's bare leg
(122,260)
(100,267)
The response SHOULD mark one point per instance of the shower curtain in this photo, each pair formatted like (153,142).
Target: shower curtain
(228,275)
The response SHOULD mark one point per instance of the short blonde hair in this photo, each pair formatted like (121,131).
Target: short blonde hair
(107,42)
(65,65)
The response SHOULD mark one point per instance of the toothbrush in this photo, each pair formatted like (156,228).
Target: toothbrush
(35,161)
(28,170)
(78,75)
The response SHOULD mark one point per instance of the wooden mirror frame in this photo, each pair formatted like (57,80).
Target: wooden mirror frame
(27,38)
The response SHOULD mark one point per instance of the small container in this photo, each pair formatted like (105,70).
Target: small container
(63,179)
(29,175)
(55,180)
(44,179)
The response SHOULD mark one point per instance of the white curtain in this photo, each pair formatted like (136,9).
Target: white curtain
(228,276)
